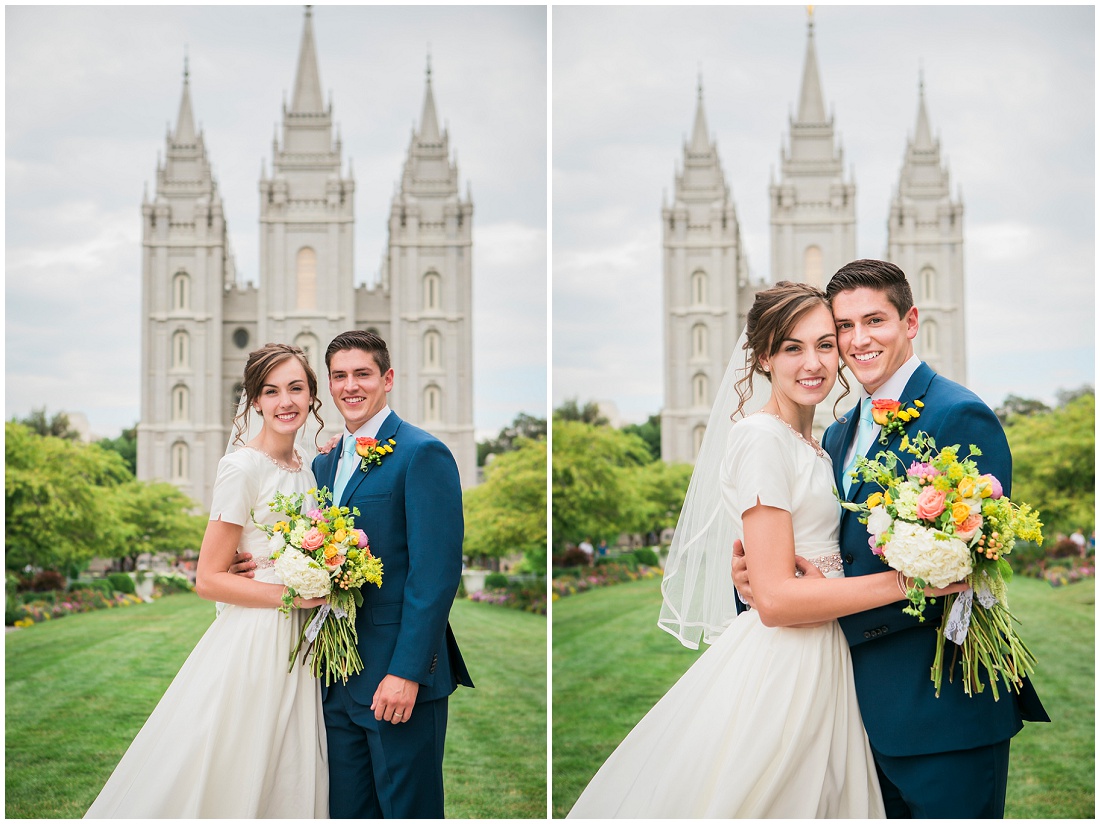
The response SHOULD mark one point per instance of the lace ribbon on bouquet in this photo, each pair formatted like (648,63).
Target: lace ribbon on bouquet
(958,622)
(319,619)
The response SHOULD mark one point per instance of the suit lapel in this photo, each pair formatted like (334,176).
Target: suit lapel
(325,475)
(841,443)
(387,430)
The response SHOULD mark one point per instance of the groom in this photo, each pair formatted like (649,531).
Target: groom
(943,757)
(386,726)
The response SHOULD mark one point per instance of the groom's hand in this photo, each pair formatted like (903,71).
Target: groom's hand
(739,571)
(243,565)
(394,699)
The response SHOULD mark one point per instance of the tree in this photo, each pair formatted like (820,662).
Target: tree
(1068,396)
(1015,405)
(125,445)
(59,495)
(589,413)
(650,432)
(58,426)
(659,489)
(593,489)
(507,513)
(158,518)
(1053,465)
(523,426)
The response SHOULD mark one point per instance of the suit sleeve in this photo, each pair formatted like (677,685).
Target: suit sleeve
(968,423)
(433,515)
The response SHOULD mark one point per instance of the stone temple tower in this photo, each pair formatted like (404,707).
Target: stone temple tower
(813,207)
(706,291)
(200,321)
(925,238)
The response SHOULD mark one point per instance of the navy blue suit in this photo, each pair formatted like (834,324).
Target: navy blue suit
(410,506)
(892,652)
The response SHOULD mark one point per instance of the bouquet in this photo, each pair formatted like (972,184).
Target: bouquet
(318,552)
(943,521)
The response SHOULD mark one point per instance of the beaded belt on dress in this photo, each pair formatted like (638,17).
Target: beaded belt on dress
(264,563)
(828,563)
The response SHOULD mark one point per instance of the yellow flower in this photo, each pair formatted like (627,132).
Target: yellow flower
(340,523)
(967,487)
(913,413)
(391,441)
(918,404)
(874,500)
(340,536)
(330,550)
(281,526)
(903,416)
(959,512)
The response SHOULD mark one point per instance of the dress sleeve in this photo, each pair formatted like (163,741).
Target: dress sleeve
(760,468)
(235,491)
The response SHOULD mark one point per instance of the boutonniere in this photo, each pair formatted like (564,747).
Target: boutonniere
(888,414)
(372,451)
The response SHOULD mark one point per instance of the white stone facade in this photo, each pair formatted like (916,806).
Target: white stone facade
(200,322)
(813,233)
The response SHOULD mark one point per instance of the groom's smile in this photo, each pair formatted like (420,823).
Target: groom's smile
(357,385)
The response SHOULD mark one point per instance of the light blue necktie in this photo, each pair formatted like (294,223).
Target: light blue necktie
(347,467)
(863,441)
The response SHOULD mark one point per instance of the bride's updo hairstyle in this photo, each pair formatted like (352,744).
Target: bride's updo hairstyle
(258,367)
(773,315)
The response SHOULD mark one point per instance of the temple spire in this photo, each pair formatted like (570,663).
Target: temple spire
(185,122)
(429,124)
(307,98)
(811,103)
(700,140)
(923,139)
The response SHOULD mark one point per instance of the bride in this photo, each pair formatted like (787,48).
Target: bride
(236,735)
(765,724)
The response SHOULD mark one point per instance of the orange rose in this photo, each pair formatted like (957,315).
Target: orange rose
(959,512)
(364,446)
(882,408)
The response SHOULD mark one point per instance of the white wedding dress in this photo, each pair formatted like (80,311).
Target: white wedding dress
(235,735)
(765,724)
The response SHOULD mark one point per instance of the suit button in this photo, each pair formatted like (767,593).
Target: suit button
(867,634)
(848,558)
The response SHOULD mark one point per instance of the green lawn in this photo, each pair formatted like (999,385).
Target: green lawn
(79,689)
(611,664)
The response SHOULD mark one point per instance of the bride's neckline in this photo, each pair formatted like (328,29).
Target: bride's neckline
(280,464)
(812,442)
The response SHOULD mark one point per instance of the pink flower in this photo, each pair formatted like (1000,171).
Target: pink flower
(312,539)
(873,542)
(360,536)
(969,528)
(930,503)
(315,515)
(994,486)
(922,470)
(335,560)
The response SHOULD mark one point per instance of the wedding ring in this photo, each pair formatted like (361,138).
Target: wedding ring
(398,714)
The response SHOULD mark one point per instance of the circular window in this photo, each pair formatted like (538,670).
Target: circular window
(240,337)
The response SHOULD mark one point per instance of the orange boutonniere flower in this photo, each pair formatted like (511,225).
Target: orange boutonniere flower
(888,414)
(372,451)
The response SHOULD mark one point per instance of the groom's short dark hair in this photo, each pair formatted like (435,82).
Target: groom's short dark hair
(873,274)
(369,342)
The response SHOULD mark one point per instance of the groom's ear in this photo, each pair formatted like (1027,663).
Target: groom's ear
(912,324)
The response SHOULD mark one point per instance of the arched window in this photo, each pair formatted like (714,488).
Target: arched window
(181,290)
(699,392)
(928,285)
(307,278)
(179,470)
(433,285)
(240,338)
(181,350)
(812,267)
(699,340)
(433,404)
(433,350)
(699,287)
(309,344)
(929,335)
(697,439)
(181,403)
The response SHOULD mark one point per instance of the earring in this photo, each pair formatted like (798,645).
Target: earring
(767,369)
(256,409)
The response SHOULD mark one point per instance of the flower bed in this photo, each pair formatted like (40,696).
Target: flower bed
(515,595)
(605,574)
(31,608)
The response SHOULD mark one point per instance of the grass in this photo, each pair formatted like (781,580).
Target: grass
(611,664)
(79,689)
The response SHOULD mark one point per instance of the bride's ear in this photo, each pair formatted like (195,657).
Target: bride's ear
(764,364)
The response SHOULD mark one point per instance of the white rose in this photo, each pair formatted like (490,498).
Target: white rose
(276,542)
(878,521)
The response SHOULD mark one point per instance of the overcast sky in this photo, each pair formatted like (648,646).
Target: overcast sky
(90,94)
(1009,91)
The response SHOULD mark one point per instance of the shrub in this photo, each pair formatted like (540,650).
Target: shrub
(48,580)
(574,557)
(171,582)
(121,582)
(496,580)
(628,560)
(645,555)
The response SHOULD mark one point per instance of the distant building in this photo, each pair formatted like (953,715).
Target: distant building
(707,286)
(200,320)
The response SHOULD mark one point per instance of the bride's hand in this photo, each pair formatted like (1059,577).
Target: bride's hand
(308,603)
(950,589)
(328,447)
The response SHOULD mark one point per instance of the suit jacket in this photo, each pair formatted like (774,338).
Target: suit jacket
(410,506)
(892,652)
